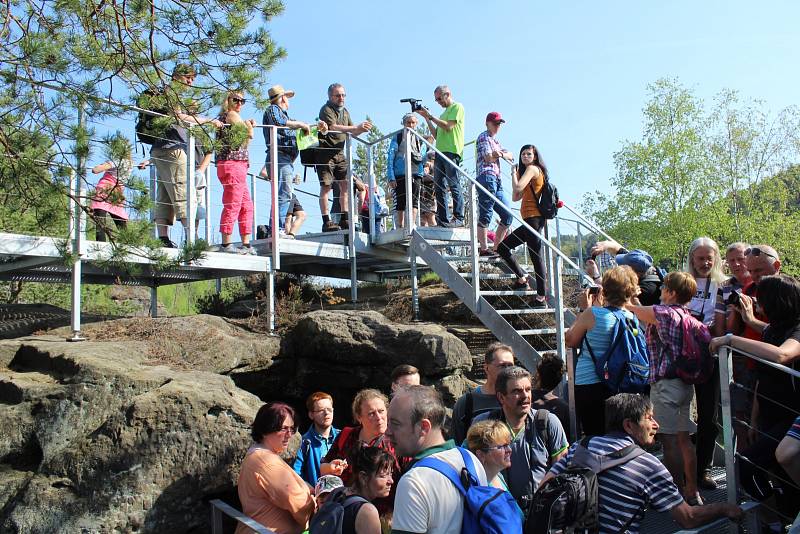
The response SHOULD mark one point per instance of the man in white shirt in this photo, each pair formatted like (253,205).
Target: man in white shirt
(426,501)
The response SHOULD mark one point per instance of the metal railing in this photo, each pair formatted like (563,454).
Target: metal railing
(730,420)
(219,509)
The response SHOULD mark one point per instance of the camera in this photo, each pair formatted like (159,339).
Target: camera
(594,290)
(415,103)
(733,298)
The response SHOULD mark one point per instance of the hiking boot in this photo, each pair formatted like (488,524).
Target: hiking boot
(330,226)
(486,253)
(167,243)
(539,302)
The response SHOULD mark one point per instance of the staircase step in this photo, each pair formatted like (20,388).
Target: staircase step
(481,259)
(536,331)
(492,276)
(526,311)
(508,293)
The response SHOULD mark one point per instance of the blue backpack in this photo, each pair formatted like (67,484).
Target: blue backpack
(625,367)
(487,510)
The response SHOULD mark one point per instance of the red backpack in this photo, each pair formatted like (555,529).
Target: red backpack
(694,364)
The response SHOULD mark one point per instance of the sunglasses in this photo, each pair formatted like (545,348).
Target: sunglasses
(237,100)
(496,447)
(755,251)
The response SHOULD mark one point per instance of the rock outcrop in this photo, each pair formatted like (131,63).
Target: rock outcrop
(134,429)
(350,350)
(96,440)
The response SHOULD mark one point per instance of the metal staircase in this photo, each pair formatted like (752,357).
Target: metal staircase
(508,313)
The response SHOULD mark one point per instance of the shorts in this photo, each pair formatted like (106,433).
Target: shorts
(295,206)
(171,187)
(335,170)
(672,398)
(400,193)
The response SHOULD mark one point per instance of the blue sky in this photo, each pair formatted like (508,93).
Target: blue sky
(568,77)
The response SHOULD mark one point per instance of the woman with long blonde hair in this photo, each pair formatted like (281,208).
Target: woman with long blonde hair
(232,164)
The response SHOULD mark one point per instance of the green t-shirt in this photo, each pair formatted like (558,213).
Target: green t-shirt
(453,140)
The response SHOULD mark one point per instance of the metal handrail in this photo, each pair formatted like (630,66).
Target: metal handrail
(219,507)
(725,354)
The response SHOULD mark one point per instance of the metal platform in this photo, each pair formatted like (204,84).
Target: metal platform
(41,259)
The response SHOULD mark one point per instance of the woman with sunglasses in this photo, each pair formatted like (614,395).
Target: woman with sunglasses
(270,491)
(490,441)
(232,164)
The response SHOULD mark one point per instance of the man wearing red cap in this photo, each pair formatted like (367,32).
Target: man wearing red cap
(488,171)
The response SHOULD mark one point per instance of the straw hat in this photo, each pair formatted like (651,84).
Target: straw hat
(276,91)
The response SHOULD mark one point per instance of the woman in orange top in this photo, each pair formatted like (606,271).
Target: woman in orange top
(270,491)
(527,181)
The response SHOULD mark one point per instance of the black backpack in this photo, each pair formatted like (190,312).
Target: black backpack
(330,517)
(570,500)
(144,121)
(548,200)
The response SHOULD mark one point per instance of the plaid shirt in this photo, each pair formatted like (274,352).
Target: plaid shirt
(665,338)
(487,144)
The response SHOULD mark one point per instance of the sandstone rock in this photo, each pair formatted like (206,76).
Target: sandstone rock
(342,352)
(199,342)
(99,441)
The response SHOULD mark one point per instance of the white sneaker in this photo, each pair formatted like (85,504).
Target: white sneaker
(284,235)
(250,251)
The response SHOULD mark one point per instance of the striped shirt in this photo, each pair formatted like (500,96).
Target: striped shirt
(629,488)
(794,432)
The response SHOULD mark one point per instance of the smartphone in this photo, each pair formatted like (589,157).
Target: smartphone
(594,290)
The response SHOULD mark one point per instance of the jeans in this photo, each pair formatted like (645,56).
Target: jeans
(285,189)
(446,177)
(487,204)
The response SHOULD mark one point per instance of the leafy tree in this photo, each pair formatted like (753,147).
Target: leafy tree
(63,63)
(725,174)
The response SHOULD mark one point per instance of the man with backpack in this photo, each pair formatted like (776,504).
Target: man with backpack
(441,491)
(169,149)
(616,480)
(537,437)
(650,277)
(483,398)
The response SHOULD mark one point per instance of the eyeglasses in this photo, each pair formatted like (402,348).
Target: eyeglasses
(755,251)
(287,430)
(339,95)
(496,447)
(237,100)
(324,410)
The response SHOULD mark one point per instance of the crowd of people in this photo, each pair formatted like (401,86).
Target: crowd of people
(513,426)
(437,190)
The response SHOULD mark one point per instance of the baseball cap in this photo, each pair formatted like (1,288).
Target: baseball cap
(494,116)
(326,484)
(636,259)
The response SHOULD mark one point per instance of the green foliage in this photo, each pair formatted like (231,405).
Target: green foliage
(63,62)
(361,163)
(724,173)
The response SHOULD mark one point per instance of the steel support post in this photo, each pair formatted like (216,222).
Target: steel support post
(271,301)
(153,196)
(207,194)
(373,189)
(191,193)
(273,216)
(475,255)
(154,301)
(409,221)
(725,379)
(351,227)
(414,285)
